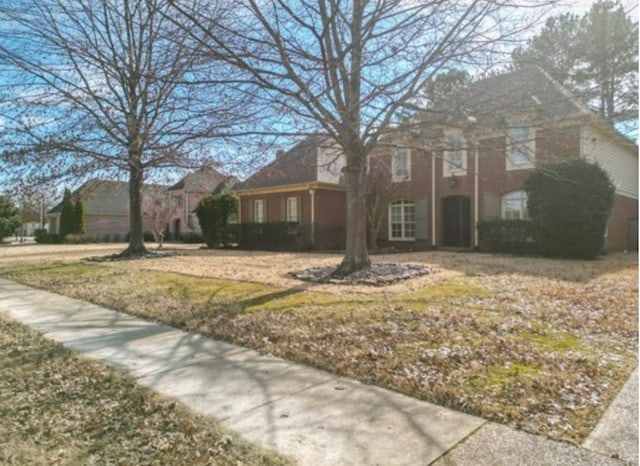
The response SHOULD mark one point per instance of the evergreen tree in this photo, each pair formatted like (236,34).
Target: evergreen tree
(596,56)
(9,217)
(66,215)
(78,217)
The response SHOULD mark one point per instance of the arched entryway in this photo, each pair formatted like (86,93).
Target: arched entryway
(456,221)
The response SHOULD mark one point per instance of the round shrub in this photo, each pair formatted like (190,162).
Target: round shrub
(569,203)
(213,214)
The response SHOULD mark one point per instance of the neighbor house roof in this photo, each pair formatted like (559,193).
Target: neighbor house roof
(205,179)
(297,165)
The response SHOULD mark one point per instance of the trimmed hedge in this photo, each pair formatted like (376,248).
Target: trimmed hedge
(569,204)
(191,237)
(44,237)
(506,236)
(270,236)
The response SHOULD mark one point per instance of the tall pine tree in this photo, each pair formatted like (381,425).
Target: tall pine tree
(596,56)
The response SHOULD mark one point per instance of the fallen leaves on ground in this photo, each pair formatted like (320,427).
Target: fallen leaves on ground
(541,344)
(59,408)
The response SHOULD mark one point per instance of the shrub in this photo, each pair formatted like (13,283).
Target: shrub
(213,214)
(569,204)
(147,237)
(506,236)
(272,236)
(43,237)
(77,238)
(191,238)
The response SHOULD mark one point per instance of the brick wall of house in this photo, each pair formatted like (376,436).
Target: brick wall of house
(494,180)
(102,226)
(329,210)
(620,231)
(331,216)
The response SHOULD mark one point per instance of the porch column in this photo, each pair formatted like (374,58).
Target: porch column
(475,195)
(312,194)
(433,200)
(239,208)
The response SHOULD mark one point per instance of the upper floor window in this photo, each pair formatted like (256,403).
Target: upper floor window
(401,165)
(402,220)
(177,200)
(258,211)
(455,155)
(514,206)
(521,147)
(292,209)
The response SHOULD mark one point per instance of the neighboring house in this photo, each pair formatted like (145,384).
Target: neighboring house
(187,193)
(106,208)
(446,175)
(301,185)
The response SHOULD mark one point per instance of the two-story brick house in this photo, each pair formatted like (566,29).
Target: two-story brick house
(445,175)
(453,174)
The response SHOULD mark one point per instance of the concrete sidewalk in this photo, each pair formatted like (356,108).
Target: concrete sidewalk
(313,416)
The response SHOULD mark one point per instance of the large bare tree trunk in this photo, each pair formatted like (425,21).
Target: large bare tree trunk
(356,256)
(136,244)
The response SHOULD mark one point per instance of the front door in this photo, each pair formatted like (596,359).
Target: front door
(176,229)
(456,221)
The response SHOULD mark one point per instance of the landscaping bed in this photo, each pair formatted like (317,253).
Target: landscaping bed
(540,344)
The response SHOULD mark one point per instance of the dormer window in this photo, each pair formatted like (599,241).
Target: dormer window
(455,155)
(521,147)
(401,165)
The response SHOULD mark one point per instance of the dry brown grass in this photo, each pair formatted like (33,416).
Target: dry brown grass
(59,408)
(541,344)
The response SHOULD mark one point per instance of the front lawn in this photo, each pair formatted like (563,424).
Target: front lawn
(541,344)
(59,408)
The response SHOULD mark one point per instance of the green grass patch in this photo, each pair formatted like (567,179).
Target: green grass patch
(552,341)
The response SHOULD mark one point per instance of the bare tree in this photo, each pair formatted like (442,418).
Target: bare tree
(380,191)
(157,211)
(348,68)
(107,86)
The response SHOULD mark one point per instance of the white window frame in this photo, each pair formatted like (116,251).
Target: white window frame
(456,146)
(258,211)
(292,209)
(514,196)
(522,148)
(399,177)
(405,232)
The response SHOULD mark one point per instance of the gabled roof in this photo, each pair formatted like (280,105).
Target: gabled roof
(490,102)
(205,179)
(298,165)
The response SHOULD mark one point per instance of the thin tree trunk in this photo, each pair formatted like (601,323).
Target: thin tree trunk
(356,256)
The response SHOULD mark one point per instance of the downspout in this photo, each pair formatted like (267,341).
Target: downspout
(239,208)
(433,200)
(475,195)
(312,194)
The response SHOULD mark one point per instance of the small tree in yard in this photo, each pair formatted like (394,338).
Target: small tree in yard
(78,217)
(157,211)
(67,215)
(380,190)
(213,214)
(9,217)
(569,204)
